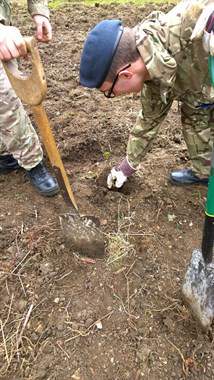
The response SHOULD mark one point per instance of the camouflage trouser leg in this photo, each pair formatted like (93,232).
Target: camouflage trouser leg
(198,132)
(17,135)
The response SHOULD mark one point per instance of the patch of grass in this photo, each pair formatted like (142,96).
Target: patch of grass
(119,245)
(136,2)
(58,3)
(106,153)
(118,248)
(91,3)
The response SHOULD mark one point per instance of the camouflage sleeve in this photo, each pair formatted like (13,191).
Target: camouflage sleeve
(5,14)
(38,7)
(153,112)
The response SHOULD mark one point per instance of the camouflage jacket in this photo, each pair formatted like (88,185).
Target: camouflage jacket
(35,7)
(178,68)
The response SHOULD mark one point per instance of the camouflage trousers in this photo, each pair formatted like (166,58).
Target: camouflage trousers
(198,133)
(17,135)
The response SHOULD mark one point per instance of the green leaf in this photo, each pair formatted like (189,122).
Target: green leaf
(171,217)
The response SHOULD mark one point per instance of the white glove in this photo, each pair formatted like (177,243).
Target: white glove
(208,42)
(204,27)
(116,178)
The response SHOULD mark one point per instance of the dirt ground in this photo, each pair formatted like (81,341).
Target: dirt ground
(121,316)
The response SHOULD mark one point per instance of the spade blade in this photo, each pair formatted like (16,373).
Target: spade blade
(198,289)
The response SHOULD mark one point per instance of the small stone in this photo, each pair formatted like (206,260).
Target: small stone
(22,305)
(46,267)
(88,322)
(12,250)
(39,328)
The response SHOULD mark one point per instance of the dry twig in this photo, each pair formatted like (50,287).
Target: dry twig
(4,343)
(188,365)
(87,332)
(19,339)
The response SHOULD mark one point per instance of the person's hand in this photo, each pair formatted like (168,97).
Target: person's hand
(119,174)
(205,27)
(43,28)
(116,178)
(12,44)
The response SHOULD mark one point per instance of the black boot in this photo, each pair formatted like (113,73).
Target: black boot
(42,181)
(8,163)
(186,177)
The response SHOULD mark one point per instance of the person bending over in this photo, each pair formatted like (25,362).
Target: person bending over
(166,58)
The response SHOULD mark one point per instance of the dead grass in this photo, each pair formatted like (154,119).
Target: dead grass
(119,244)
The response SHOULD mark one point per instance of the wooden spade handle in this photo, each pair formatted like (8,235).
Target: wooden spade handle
(31,89)
(53,154)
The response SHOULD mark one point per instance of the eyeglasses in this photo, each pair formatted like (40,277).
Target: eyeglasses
(110,93)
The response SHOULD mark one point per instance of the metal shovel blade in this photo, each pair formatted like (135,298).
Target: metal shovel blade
(198,289)
(82,235)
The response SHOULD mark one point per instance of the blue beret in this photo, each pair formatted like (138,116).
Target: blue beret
(98,52)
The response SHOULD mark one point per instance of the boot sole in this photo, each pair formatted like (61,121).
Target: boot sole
(8,171)
(49,193)
(187,184)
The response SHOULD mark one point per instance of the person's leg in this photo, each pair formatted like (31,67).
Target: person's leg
(17,135)
(19,142)
(198,132)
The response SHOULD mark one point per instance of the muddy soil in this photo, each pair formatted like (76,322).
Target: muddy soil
(121,316)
